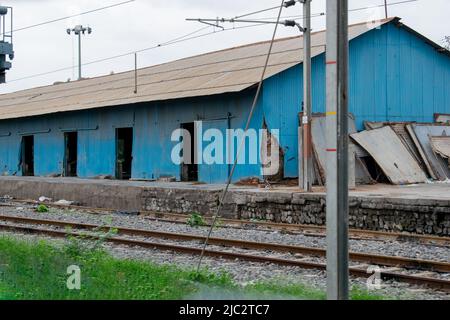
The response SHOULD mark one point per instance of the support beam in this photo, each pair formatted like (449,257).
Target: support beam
(337,149)
(307,163)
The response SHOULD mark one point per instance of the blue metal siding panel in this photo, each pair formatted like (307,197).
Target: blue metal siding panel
(48,153)
(9,148)
(367,81)
(421,88)
(282,96)
(395,76)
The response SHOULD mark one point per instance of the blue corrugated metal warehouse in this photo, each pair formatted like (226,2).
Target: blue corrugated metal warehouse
(101,126)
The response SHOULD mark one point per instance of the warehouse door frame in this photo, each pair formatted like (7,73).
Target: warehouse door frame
(27,155)
(70,154)
(189,170)
(124,153)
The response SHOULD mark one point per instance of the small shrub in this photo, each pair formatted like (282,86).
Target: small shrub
(42,208)
(195,220)
(86,243)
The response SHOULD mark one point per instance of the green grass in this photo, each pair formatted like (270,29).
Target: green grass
(38,270)
(42,208)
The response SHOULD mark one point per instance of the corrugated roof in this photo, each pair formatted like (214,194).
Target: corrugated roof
(225,71)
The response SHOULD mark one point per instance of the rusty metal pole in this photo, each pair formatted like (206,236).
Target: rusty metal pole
(307,163)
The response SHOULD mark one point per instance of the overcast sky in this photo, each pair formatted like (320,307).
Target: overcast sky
(145,23)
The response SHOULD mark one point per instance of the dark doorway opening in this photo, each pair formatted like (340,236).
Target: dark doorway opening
(189,169)
(28,156)
(70,155)
(124,153)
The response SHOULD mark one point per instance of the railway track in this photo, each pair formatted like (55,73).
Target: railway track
(22,224)
(311,230)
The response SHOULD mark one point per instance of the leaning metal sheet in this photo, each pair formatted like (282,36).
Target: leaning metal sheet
(391,155)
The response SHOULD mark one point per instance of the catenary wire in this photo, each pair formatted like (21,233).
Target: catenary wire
(167,43)
(68,17)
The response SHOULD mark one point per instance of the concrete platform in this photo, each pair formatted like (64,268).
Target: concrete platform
(417,208)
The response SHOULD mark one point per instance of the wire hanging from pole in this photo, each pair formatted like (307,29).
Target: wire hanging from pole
(250,116)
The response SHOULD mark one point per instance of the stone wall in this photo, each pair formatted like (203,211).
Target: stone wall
(417,216)
(424,216)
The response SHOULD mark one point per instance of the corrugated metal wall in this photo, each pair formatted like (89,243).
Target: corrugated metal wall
(152,146)
(394,76)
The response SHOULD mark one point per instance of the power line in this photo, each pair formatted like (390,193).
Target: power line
(167,43)
(71,16)
(382,5)
(260,11)
(322,14)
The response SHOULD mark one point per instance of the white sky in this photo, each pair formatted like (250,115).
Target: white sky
(145,23)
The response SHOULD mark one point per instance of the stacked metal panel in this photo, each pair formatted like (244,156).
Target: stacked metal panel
(358,173)
(407,151)
(423,135)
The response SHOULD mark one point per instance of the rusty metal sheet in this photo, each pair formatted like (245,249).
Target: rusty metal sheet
(225,71)
(441,146)
(390,153)
(423,132)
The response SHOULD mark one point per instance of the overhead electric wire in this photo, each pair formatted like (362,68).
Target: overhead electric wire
(247,126)
(258,11)
(322,14)
(167,43)
(70,16)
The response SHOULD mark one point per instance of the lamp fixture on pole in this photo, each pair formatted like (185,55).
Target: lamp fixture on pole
(78,31)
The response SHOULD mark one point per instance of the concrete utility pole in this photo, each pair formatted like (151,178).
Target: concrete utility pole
(337,149)
(78,30)
(307,163)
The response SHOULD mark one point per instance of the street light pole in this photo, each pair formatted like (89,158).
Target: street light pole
(337,149)
(79,56)
(79,30)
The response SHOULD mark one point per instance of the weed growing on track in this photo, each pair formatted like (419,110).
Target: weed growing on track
(42,208)
(196,220)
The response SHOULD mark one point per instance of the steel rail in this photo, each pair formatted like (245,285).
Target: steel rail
(313,230)
(391,261)
(435,283)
